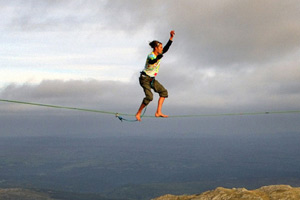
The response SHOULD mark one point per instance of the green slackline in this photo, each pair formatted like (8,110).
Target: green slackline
(68,108)
(170,116)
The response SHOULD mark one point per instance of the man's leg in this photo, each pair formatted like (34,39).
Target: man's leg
(138,114)
(163,93)
(145,83)
(159,106)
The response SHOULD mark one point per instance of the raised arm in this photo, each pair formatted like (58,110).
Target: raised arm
(167,46)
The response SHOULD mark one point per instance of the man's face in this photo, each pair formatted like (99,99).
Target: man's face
(159,49)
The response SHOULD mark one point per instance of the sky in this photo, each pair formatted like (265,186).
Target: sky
(228,56)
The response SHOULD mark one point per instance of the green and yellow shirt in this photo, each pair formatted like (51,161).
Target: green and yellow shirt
(153,62)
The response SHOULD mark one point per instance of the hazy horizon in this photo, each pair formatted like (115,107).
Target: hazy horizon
(129,166)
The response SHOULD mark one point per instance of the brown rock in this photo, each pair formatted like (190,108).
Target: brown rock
(273,192)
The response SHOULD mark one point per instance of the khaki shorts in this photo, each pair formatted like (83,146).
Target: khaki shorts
(145,82)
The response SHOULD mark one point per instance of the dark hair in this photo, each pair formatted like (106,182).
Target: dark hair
(154,43)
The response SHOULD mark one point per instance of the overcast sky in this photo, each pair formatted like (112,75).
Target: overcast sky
(227,56)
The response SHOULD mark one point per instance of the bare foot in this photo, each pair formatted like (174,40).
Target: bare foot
(138,116)
(161,115)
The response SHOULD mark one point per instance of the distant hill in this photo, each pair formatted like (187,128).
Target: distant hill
(26,194)
(22,194)
(273,192)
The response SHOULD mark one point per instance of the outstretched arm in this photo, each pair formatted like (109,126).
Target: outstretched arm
(166,48)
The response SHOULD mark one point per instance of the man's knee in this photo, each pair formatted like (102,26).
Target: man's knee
(164,93)
(148,99)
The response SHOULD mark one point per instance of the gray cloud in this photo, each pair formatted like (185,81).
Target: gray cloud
(94,94)
(54,15)
(227,56)
(219,33)
(119,97)
(247,89)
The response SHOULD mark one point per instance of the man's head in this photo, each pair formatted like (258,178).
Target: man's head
(156,46)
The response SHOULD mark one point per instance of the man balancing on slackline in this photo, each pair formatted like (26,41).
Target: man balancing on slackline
(147,77)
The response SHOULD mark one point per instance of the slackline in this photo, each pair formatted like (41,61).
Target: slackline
(170,116)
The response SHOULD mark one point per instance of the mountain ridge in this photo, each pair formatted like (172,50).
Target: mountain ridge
(271,192)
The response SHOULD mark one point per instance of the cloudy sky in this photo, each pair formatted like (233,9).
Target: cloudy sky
(228,56)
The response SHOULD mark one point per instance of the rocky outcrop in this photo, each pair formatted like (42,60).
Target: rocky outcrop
(273,192)
(22,194)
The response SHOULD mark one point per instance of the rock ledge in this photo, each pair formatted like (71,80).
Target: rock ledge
(272,192)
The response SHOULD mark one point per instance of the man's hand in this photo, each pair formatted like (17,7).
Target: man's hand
(172,33)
